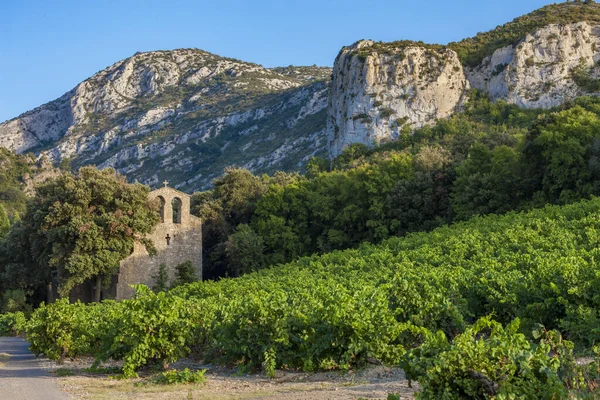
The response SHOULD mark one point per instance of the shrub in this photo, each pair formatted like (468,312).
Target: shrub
(161,279)
(386,113)
(487,361)
(12,324)
(174,376)
(153,328)
(185,273)
(62,330)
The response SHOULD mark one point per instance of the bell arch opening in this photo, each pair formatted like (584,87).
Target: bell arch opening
(176,203)
(161,204)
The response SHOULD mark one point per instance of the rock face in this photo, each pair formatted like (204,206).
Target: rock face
(181,115)
(185,115)
(538,72)
(379,90)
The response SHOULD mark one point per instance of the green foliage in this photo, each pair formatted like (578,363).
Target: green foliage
(62,372)
(487,361)
(582,76)
(12,324)
(77,227)
(15,300)
(244,250)
(161,279)
(316,165)
(492,158)
(232,202)
(173,376)
(185,273)
(473,50)
(94,369)
(64,330)
(558,151)
(153,328)
(487,182)
(13,169)
(270,362)
(4,221)
(341,309)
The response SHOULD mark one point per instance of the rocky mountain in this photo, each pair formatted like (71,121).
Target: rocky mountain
(181,115)
(379,90)
(383,90)
(185,115)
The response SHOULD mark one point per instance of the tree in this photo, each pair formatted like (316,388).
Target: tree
(316,165)
(185,273)
(4,221)
(231,202)
(487,182)
(244,250)
(558,152)
(80,226)
(161,279)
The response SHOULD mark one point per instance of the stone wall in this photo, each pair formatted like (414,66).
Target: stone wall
(175,241)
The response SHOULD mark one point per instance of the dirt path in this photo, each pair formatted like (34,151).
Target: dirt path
(22,376)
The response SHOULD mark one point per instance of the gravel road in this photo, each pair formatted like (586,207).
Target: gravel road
(22,376)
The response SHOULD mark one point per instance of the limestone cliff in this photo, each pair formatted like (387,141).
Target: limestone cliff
(382,90)
(539,71)
(379,90)
(181,115)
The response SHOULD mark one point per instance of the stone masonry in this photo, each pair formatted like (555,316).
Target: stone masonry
(177,239)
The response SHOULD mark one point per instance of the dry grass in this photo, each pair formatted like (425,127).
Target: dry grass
(222,385)
(93,388)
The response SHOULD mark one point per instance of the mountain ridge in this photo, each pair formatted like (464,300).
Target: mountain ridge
(382,91)
(110,118)
(186,114)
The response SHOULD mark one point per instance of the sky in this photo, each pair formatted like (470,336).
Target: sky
(47,47)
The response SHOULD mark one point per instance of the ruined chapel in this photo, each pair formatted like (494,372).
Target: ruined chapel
(177,239)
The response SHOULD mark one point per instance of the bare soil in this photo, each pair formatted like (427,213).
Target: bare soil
(374,382)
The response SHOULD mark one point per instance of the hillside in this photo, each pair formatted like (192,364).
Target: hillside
(185,115)
(472,51)
(18,176)
(382,91)
(181,115)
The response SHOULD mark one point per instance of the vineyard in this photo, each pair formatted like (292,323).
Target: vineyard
(500,298)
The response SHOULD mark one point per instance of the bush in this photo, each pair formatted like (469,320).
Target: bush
(174,376)
(12,324)
(185,273)
(62,330)
(15,300)
(487,361)
(161,279)
(153,328)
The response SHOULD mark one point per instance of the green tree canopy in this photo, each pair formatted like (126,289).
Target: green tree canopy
(80,226)
(4,221)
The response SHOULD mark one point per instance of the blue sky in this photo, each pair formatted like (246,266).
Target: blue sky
(48,47)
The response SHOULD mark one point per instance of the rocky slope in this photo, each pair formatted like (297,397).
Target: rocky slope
(539,71)
(383,90)
(181,115)
(185,115)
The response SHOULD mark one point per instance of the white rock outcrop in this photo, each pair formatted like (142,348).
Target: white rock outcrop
(154,116)
(379,91)
(537,72)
